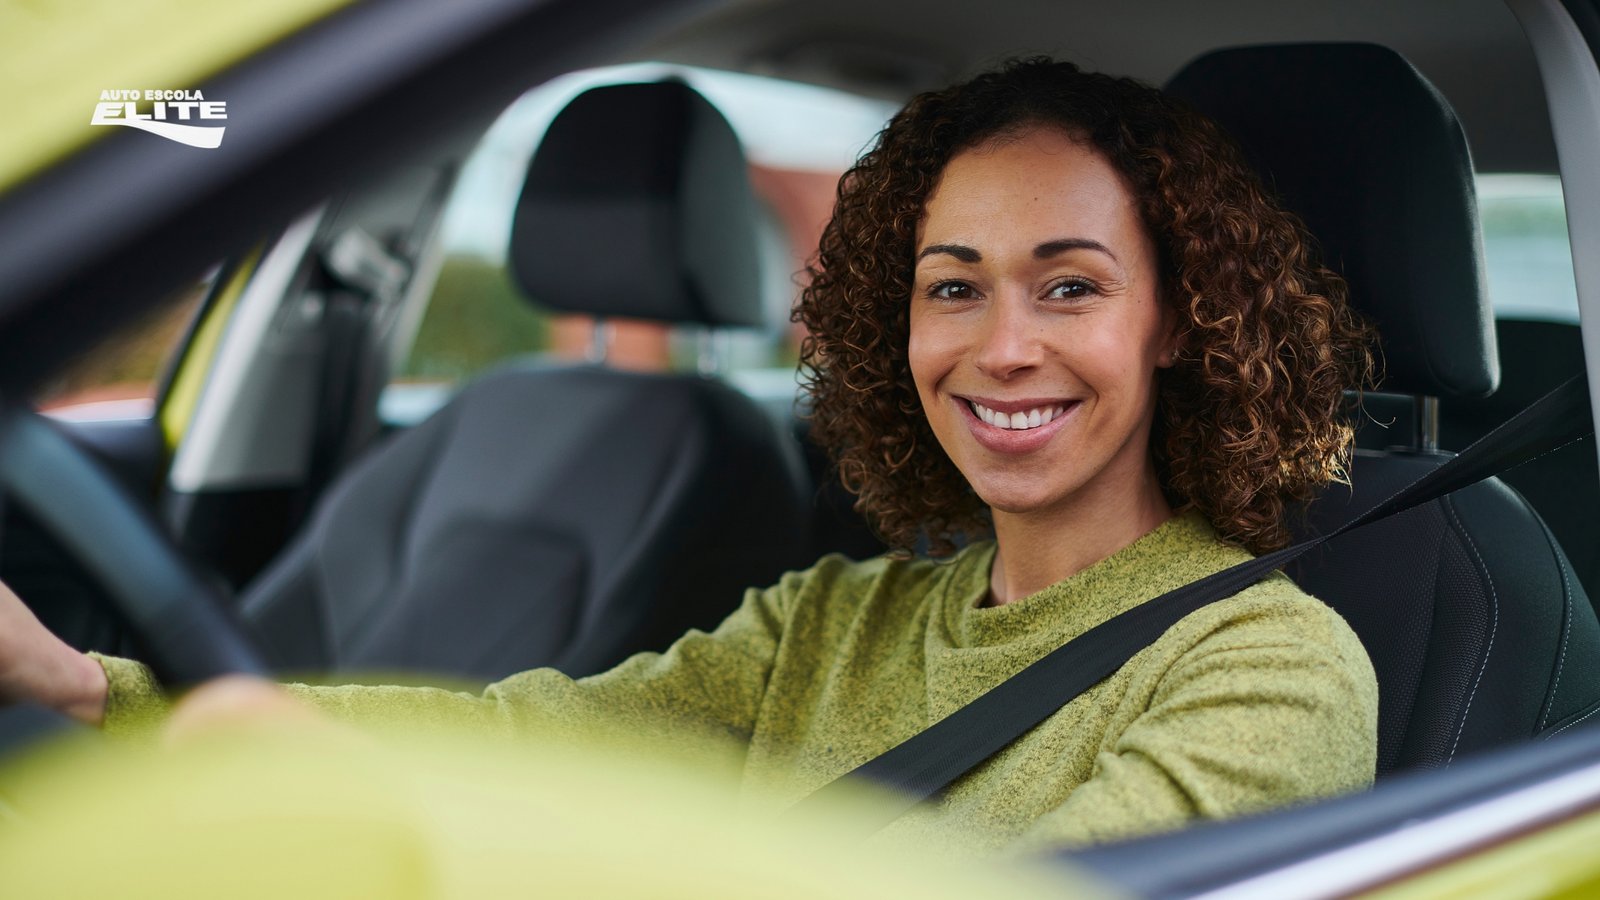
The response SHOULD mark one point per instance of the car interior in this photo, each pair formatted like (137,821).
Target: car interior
(572,511)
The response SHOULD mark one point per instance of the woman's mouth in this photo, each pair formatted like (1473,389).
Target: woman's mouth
(1020,420)
(1015,427)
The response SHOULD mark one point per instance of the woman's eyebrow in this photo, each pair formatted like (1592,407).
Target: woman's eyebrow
(1062,245)
(959,251)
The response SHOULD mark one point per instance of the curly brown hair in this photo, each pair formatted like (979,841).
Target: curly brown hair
(1251,418)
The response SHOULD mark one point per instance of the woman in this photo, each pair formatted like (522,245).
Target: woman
(1054,307)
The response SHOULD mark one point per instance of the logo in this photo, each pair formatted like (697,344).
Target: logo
(165,115)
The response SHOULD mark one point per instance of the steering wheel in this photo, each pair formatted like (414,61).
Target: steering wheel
(176,613)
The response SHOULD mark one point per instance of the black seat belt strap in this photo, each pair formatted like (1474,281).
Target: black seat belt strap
(928,762)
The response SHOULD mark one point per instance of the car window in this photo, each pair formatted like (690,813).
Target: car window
(121,377)
(1526,252)
(799,140)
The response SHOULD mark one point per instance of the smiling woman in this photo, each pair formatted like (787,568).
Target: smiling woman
(1058,304)
(1035,356)
(1250,415)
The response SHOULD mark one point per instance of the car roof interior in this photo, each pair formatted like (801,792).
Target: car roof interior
(895,49)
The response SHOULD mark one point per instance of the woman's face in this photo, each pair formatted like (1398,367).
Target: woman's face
(1036,326)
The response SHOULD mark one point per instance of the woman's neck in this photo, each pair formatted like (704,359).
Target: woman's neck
(1037,549)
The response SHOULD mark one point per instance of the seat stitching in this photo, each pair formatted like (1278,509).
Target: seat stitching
(1566,631)
(1576,721)
(1494,625)
(1556,448)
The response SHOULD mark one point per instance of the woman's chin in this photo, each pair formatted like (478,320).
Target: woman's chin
(1017,502)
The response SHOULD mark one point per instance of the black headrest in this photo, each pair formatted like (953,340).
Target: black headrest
(1366,151)
(638,204)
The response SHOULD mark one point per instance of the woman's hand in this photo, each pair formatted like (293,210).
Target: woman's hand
(38,667)
(235,702)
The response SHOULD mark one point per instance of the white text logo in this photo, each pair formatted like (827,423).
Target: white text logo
(165,114)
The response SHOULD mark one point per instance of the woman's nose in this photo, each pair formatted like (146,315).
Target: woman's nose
(1009,342)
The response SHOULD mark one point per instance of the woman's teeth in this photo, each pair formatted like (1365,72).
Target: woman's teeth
(1016,421)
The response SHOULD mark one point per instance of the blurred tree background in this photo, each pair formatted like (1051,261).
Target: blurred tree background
(476,316)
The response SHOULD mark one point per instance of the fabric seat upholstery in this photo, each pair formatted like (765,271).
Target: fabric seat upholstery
(568,516)
(1477,629)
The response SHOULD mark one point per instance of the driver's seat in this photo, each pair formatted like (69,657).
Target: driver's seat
(1478,631)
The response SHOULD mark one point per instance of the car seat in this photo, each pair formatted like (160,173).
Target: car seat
(1468,607)
(567,516)
(1564,484)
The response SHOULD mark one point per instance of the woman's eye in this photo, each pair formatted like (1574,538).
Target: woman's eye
(1072,290)
(951,290)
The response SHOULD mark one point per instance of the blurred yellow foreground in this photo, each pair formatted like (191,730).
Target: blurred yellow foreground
(320,813)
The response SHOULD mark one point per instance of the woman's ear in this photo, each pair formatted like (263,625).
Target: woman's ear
(1171,341)
(1168,355)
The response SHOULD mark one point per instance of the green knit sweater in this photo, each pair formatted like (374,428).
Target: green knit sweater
(1263,699)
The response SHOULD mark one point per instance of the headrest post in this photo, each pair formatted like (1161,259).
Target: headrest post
(600,341)
(1425,423)
(708,352)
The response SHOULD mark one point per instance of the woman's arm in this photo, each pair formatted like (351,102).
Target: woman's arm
(710,683)
(38,667)
(706,684)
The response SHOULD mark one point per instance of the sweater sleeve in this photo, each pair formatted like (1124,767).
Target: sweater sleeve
(706,685)
(1257,714)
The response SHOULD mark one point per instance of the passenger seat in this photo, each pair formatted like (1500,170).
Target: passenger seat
(568,517)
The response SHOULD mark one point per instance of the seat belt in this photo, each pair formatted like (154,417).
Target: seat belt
(364,280)
(925,764)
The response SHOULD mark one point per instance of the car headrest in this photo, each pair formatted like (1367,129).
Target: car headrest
(1359,145)
(638,204)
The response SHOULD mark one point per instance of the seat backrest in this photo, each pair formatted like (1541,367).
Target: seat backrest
(1476,627)
(568,516)
(1563,484)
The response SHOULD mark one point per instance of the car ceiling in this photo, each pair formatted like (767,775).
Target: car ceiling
(1473,50)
